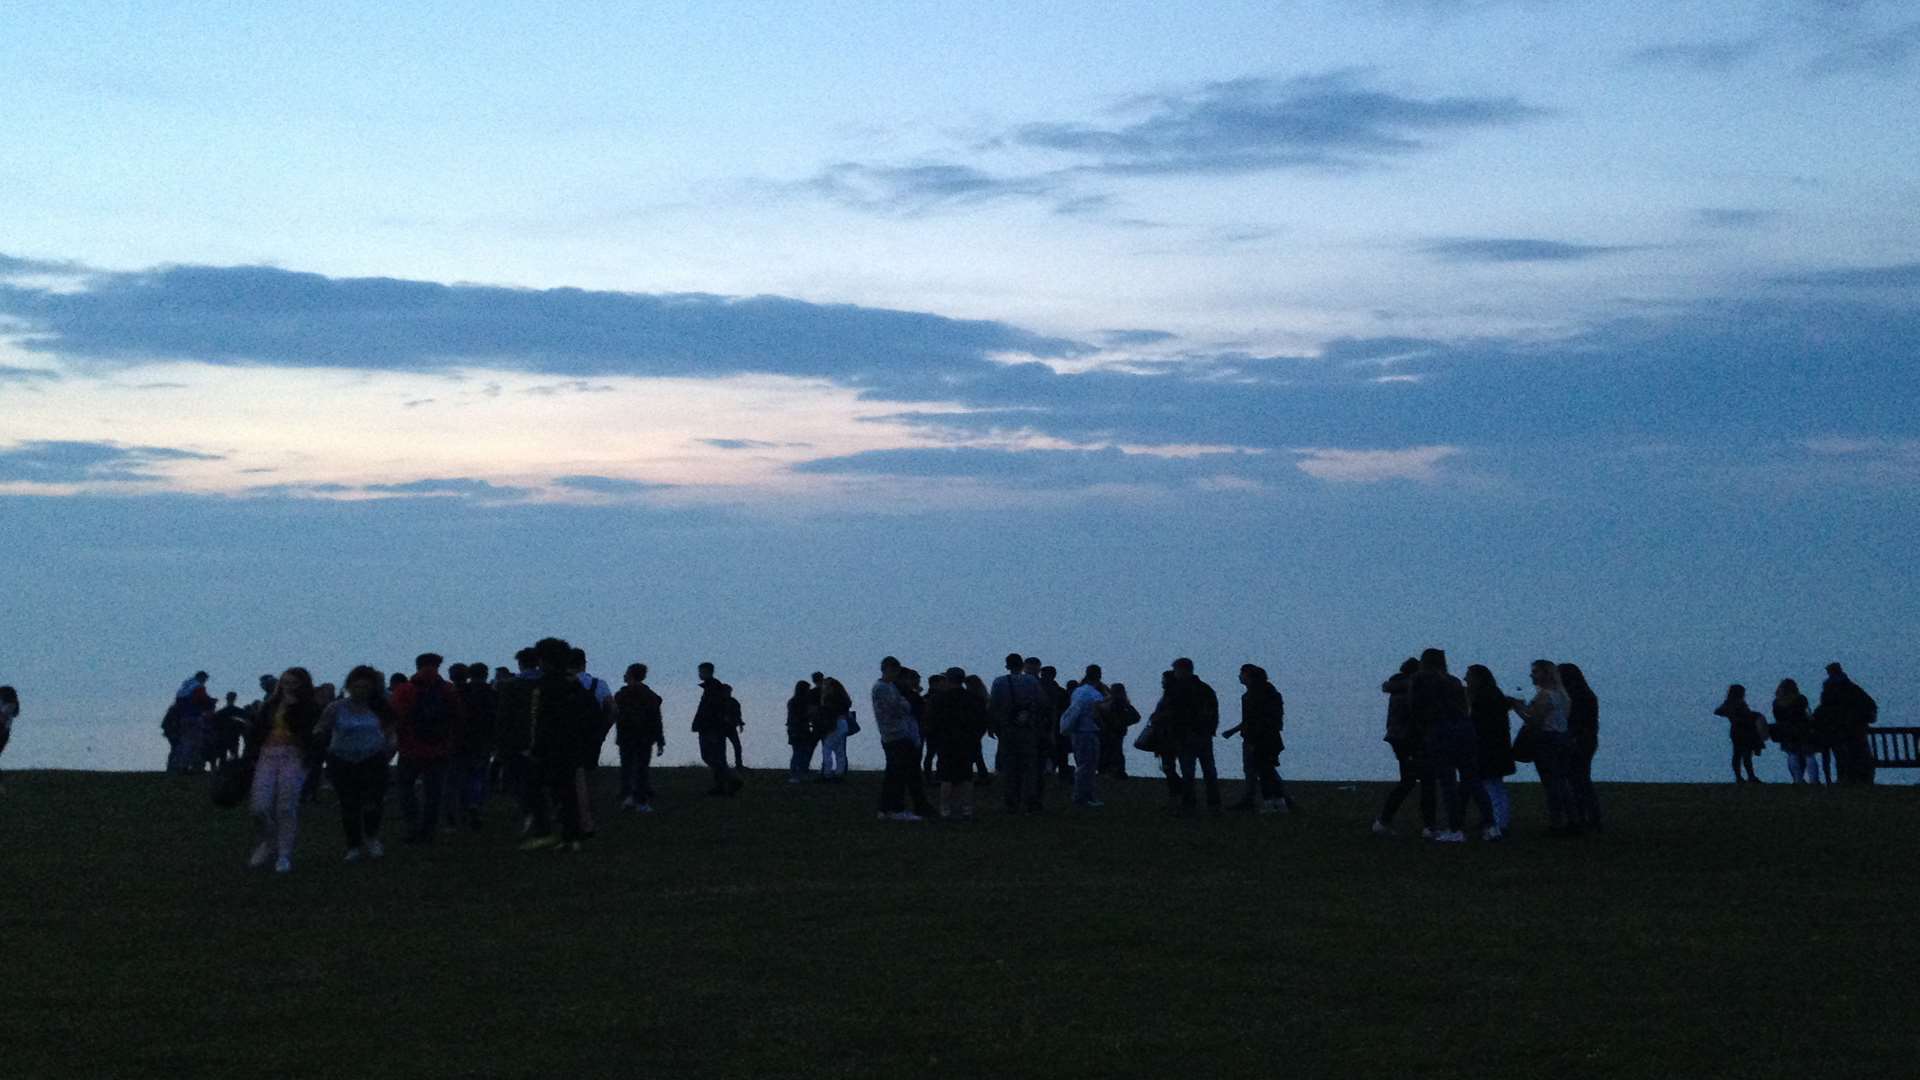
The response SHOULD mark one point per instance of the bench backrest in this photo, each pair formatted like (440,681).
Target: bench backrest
(1895,747)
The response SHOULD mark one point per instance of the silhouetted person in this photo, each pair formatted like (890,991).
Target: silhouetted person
(1060,752)
(513,726)
(1192,710)
(1583,731)
(1118,719)
(476,745)
(283,749)
(803,718)
(1263,713)
(191,713)
(1488,706)
(1437,705)
(430,718)
(1409,753)
(1547,714)
(957,720)
(1080,725)
(1793,730)
(713,721)
(564,717)
(1020,715)
(1746,729)
(639,733)
(836,721)
(900,741)
(229,726)
(1851,712)
(978,688)
(9,712)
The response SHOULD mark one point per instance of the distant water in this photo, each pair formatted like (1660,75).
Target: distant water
(1640,741)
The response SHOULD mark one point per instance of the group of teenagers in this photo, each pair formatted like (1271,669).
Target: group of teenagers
(1825,743)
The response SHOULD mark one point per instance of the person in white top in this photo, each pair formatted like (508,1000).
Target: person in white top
(1546,714)
(1081,725)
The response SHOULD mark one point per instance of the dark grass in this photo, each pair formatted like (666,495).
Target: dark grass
(1711,931)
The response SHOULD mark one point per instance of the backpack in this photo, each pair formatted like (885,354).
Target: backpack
(733,712)
(432,714)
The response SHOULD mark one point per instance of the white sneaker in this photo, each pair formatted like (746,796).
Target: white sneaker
(355,854)
(908,815)
(626,804)
(643,808)
(882,815)
(284,866)
(261,853)
(1273,806)
(1381,828)
(526,825)
(374,849)
(1452,836)
(1429,833)
(1492,832)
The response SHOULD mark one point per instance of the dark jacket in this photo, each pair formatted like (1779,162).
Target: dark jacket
(802,719)
(1399,730)
(1263,713)
(1743,725)
(1492,732)
(302,716)
(956,719)
(637,717)
(1583,718)
(564,718)
(1436,702)
(1848,709)
(513,715)
(1793,724)
(482,719)
(1190,708)
(714,714)
(410,703)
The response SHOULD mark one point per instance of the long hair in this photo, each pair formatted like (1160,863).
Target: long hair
(1787,690)
(1574,682)
(378,702)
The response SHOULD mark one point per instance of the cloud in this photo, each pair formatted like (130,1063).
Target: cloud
(606,485)
(1046,468)
(1733,217)
(1901,275)
(1420,463)
(22,374)
(739,444)
(918,189)
(1875,53)
(263,315)
(15,266)
(1514,250)
(435,487)
(1712,55)
(64,462)
(1121,339)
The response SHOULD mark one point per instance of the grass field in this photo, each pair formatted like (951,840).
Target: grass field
(1752,932)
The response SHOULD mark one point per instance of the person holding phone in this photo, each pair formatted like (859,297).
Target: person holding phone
(1547,714)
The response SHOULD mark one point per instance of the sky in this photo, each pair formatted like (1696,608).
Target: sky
(791,335)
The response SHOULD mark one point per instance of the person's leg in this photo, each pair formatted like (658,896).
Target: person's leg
(371,775)
(433,782)
(561,778)
(1249,776)
(1586,800)
(583,797)
(260,804)
(287,788)
(352,799)
(1013,775)
(1189,757)
(1474,789)
(916,783)
(733,739)
(1086,760)
(899,759)
(643,784)
(539,797)
(1445,777)
(1399,792)
(629,771)
(1042,765)
(1210,771)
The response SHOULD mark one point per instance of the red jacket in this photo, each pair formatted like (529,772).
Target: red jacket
(408,721)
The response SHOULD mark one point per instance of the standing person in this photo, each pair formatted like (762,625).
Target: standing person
(428,716)
(1193,714)
(1080,725)
(639,732)
(929,730)
(803,718)
(900,742)
(596,737)
(957,718)
(1546,714)
(1747,731)
(9,712)
(1263,717)
(482,708)
(1488,707)
(192,708)
(359,734)
(1583,734)
(1019,710)
(1793,730)
(229,723)
(564,717)
(1409,753)
(713,721)
(1118,719)
(1437,705)
(513,738)
(1060,748)
(282,752)
(1850,712)
(836,721)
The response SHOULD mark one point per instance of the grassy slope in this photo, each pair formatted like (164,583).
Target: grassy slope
(1711,930)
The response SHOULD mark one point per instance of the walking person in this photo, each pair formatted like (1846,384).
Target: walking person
(900,742)
(282,751)
(957,718)
(713,722)
(1020,721)
(429,718)
(1193,713)
(1488,707)
(1546,713)
(513,725)
(1263,713)
(639,733)
(475,749)
(1080,725)
(1409,754)
(803,717)
(1746,729)
(360,735)
(564,717)
(1583,732)
(1793,730)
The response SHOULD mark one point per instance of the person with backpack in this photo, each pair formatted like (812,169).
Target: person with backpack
(1022,723)
(638,733)
(360,737)
(475,751)
(563,717)
(190,715)
(1746,729)
(282,751)
(1263,716)
(713,721)
(430,720)
(9,712)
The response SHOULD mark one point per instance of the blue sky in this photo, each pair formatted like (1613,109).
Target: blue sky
(788,335)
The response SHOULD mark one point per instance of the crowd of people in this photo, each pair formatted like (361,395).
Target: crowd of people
(1824,744)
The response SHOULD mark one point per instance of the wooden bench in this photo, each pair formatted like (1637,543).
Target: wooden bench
(1895,747)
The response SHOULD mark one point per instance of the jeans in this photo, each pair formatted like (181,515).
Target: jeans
(1803,766)
(801,763)
(1455,761)
(1023,775)
(1086,761)
(713,751)
(1113,753)
(1501,802)
(1551,750)
(1261,768)
(902,781)
(275,798)
(470,780)
(362,787)
(560,777)
(422,811)
(1586,801)
(636,773)
(1413,770)
(833,751)
(1198,749)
